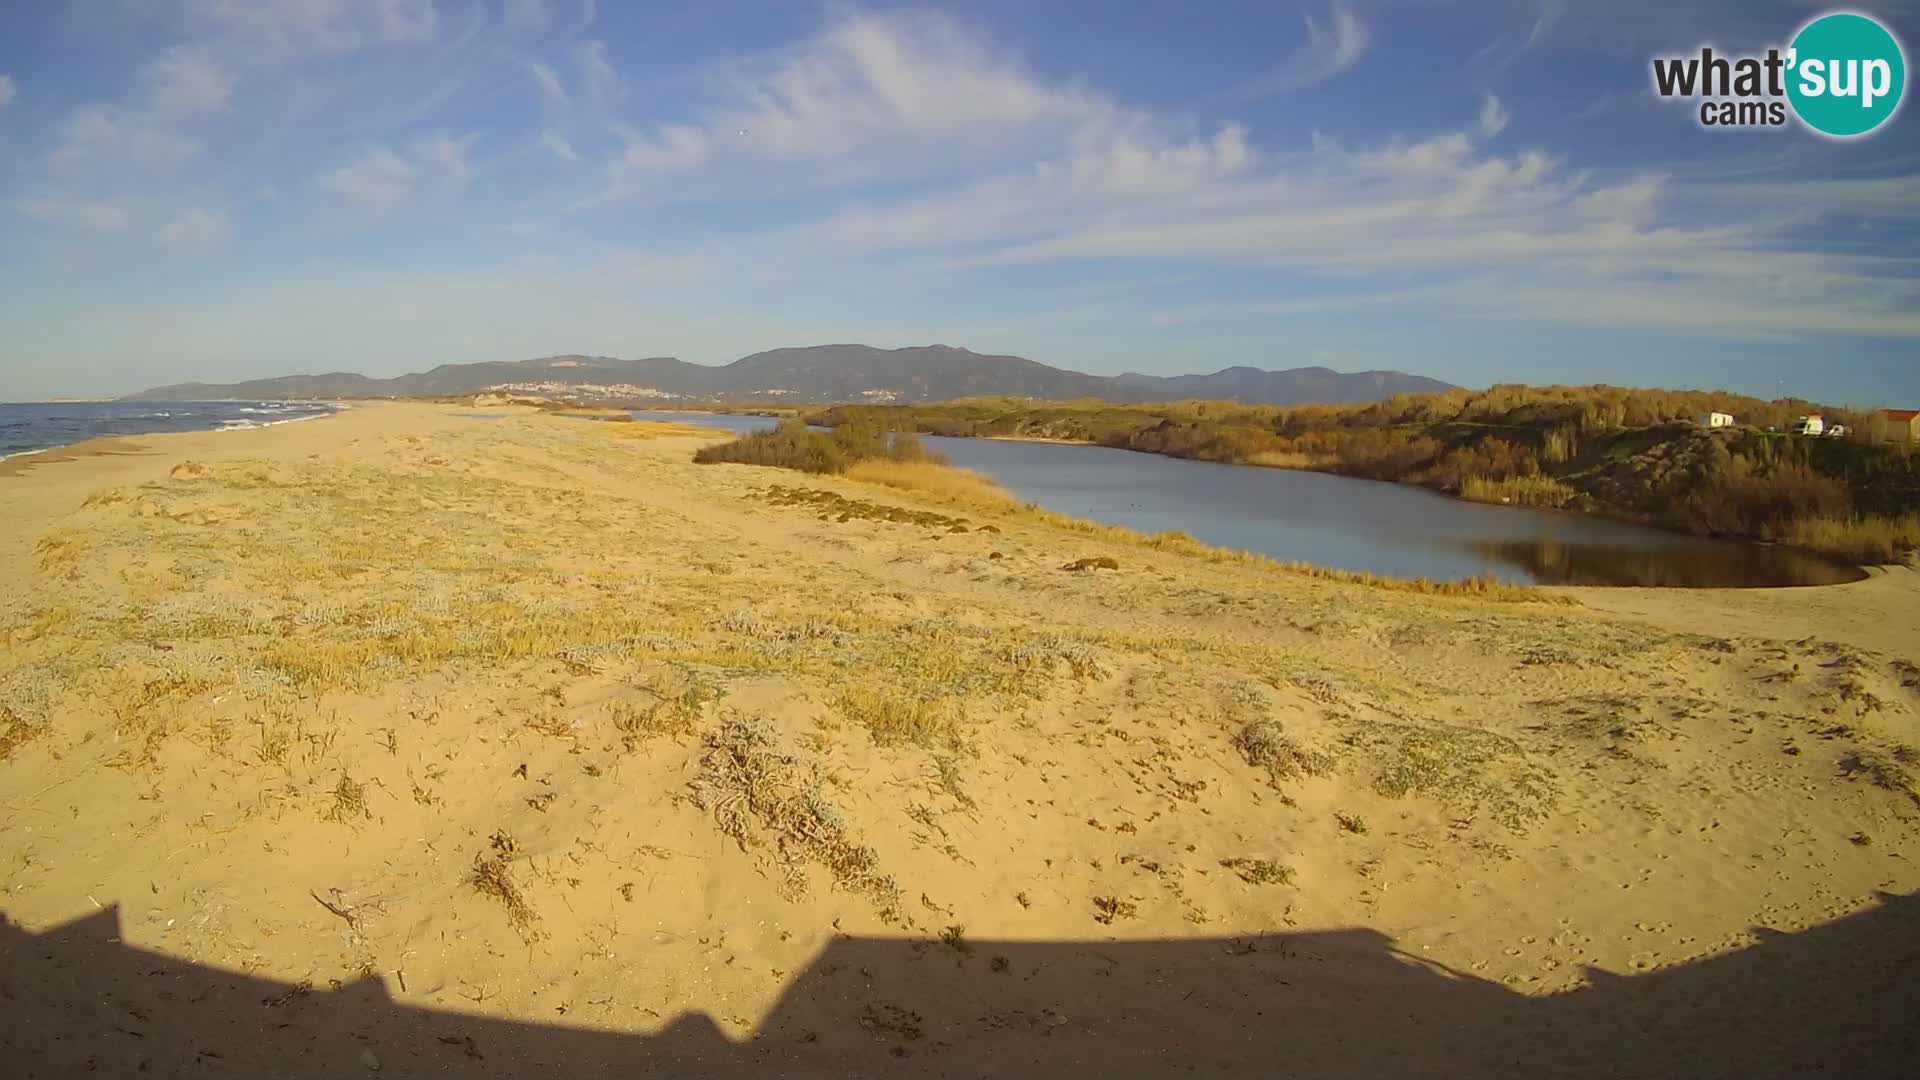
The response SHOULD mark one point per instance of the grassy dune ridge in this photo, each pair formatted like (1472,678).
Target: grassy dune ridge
(1627,453)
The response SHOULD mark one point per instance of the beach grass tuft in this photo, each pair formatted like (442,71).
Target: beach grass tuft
(761,796)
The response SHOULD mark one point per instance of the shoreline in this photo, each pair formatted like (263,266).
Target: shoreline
(336,407)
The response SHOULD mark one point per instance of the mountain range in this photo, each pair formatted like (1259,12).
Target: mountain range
(820,374)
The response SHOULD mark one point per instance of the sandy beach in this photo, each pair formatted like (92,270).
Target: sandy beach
(421,742)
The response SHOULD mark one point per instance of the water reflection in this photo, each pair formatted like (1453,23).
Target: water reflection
(1722,566)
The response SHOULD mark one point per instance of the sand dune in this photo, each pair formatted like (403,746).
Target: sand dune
(531,721)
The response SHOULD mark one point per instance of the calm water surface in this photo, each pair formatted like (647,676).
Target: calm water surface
(1361,525)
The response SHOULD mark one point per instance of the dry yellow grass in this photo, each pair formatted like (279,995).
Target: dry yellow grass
(1275,459)
(1866,540)
(1543,491)
(947,483)
(893,718)
(665,429)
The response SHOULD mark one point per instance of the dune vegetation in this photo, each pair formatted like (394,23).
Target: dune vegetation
(1628,453)
(792,445)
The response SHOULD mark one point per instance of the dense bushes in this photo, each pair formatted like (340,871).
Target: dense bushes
(1740,497)
(1493,459)
(793,446)
(1855,539)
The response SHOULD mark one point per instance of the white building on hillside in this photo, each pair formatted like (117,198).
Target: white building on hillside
(1810,425)
(1716,420)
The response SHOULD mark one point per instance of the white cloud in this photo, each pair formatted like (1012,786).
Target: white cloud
(446,153)
(873,97)
(1328,51)
(1635,202)
(1493,116)
(1022,171)
(101,216)
(1890,197)
(7,91)
(185,79)
(597,72)
(292,27)
(382,177)
(524,15)
(101,136)
(194,230)
(669,149)
(1709,308)
(548,81)
(560,147)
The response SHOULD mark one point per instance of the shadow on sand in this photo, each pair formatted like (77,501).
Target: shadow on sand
(1837,1000)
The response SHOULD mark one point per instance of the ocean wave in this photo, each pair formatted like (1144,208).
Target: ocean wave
(241,425)
(55,429)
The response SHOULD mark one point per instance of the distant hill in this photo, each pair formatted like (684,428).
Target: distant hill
(819,374)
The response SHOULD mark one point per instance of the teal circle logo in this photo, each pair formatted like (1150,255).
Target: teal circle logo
(1845,74)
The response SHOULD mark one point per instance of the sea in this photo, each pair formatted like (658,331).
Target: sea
(31,426)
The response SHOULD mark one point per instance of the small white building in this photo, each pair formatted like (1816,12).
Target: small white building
(1716,420)
(1810,425)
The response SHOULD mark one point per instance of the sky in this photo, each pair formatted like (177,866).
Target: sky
(1481,191)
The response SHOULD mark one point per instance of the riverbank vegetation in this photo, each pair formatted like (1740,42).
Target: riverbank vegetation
(1629,453)
(792,446)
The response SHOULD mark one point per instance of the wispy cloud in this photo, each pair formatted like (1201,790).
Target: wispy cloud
(1493,116)
(524,15)
(548,80)
(1531,27)
(873,97)
(1331,47)
(382,177)
(195,230)
(602,81)
(378,178)
(7,91)
(105,137)
(187,80)
(104,217)
(446,153)
(559,146)
(293,27)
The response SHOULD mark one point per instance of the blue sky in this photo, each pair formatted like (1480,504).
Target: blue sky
(1478,191)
